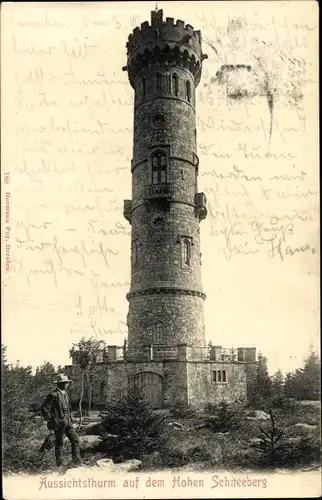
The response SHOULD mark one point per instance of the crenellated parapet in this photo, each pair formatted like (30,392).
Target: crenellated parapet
(164,44)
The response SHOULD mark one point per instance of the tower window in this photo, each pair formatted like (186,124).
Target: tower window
(159,82)
(188,91)
(143,87)
(158,337)
(219,376)
(159,166)
(175,86)
(158,121)
(186,252)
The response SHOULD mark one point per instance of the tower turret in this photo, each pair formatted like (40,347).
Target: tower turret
(164,61)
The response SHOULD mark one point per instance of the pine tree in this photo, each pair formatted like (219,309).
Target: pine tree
(139,429)
(262,389)
(41,384)
(305,383)
(289,385)
(224,418)
(311,377)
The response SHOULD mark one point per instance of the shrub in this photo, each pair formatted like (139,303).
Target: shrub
(139,429)
(269,442)
(285,403)
(210,408)
(277,450)
(224,418)
(198,454)
(173,458)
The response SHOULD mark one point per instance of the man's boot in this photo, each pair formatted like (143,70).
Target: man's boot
(58,455)
(76,454)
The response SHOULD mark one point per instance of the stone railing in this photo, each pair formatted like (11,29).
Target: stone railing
(198,353)
(179,352)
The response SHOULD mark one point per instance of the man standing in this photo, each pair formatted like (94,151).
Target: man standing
(56,410)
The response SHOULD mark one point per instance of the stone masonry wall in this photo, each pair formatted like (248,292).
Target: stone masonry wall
(178,132)
(183,381)
(175,382)
(111,380)
(159,248)
(180,315)
(202,389)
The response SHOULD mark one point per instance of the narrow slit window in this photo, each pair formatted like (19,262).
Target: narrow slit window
(224,375)
(175,86)
(186,252)
(219,376)
(159,82)
(159,168)
(214,376)
(188,91)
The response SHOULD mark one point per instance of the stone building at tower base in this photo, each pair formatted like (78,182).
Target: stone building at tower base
(174,375)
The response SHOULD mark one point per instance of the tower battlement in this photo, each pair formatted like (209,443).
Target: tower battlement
(164,43)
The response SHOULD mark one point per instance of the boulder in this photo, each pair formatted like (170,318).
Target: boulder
(301,429)
(89,441)
(255,440)
(128,466)
(88,427)
(303,425)
(175,425)
(258,415)
(292,440)
(102,468)
(201,426)
(105,462)
(313,404)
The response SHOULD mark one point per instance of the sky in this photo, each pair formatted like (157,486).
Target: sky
(67,147)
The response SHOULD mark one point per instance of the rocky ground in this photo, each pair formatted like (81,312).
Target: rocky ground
(190,437)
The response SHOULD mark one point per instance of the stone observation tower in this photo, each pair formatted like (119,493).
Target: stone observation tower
(166,351)
(164,62)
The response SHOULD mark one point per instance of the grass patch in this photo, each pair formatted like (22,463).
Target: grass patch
(191,446)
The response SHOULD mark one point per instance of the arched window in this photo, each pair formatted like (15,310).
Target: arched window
(188,91)
(143,87)
(175,86)
(159,168)
(159,82)
(186,252)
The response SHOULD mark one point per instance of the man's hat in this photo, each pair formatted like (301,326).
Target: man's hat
(62,378)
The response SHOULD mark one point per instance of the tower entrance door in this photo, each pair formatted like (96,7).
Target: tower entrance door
(152,385)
